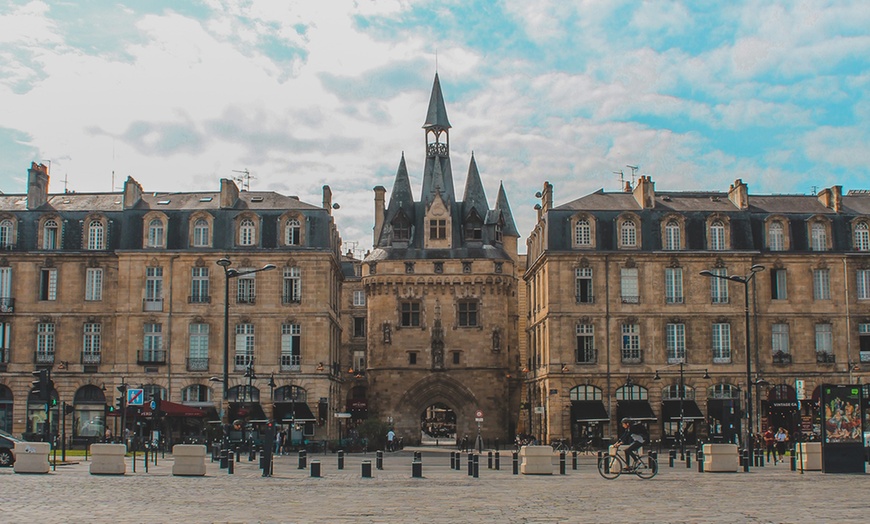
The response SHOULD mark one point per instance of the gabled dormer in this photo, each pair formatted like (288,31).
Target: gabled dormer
(472,227)
(438,225)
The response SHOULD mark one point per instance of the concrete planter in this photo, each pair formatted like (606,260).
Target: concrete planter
(32,457)
(189,460)
(810,455)
(108,459)
(721,458)
(537,460)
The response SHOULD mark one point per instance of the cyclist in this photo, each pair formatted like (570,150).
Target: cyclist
(633,437)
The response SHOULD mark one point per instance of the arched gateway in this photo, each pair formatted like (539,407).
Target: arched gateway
(435,390)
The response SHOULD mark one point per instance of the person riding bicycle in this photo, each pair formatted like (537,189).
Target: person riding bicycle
(633,437)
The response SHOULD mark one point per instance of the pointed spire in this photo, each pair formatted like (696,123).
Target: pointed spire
(436,116)
(401,198)
(502,205)
(475,196)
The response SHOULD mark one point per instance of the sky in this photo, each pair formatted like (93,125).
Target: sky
(301,94)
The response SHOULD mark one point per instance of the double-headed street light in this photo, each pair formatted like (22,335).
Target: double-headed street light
(229,273)
(744,279)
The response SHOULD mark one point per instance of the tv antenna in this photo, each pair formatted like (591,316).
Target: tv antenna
(244,178)
(633,172)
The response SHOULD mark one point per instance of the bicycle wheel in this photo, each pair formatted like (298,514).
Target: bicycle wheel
(647,467)
(610,467)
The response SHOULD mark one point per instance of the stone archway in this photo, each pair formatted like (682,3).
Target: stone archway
(437,388)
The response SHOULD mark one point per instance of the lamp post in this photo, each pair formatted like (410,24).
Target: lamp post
(229,273)
(682,395)
(744,279)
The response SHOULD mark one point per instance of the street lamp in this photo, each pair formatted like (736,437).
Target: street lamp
(744,279)
(681,428)
(229,273)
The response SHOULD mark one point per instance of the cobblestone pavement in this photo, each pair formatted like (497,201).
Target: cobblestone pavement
(770,494)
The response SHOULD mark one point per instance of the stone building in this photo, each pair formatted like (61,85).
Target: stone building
(441,298)
(620,313)
(105,289)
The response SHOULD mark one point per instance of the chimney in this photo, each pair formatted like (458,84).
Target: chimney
(37,185)
(832,198)
(645,192)
(229,193)
(627,187)
(327,199)
(132,193)
(380,211)
(546,197)
(738,194)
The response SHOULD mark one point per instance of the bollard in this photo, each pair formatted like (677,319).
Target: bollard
(452,460)
(745,461)
(315,468)
(223,458)
(497,461)
(379,459)
(458,461)
(688,461)
(574,460)
(516,463)
(489,460)
(672,456)
(252,454)
(476,466)
(230,463)
(366,469)
(262,461)
(417,469)
(700,460)
(760,454)
(238,455)
(470,464)
(303,459)
(418,456)
(340,459)
(740,457)
(562,462)
(793,462)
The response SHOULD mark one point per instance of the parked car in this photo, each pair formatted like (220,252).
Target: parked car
(7,444)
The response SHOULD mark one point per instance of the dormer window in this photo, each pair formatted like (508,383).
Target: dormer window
(49,234)
(155,233)
(818,237)
(293,234)
(776,236)
(862,237)
(473,229)
(628,233)
(6,232)
(717,236)
(401,229)
(200,233)
(437,229)
(672,236)
(583,233)
(246,232)
(96,236)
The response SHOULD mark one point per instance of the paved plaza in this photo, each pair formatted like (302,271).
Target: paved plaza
(770,494)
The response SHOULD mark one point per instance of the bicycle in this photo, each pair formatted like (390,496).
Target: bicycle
(560,445)
(586,447)
(612,466)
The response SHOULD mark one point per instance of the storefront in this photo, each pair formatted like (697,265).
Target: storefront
(724,414)
(780,409)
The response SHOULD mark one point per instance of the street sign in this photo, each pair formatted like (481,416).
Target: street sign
(135,397)
(342,415)
(479,419)
(478,414)
(799,389)
(539,410)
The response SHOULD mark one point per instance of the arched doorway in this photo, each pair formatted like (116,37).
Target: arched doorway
(438,424)
(38,416)
(5,408)
(723,412)
(588,414)
(781,408)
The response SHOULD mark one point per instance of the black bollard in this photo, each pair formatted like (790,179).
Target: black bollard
(303,459)
(262,461)
(340,459)
(476,466)
(417,469)
(230,463)
(562,462)
(452,460)
(746,461)
(574,460)
(497,461)
(379,459)
(470,464)
(760,461)
(672,456)
(366,469)
(315,468)
(793,462)
(223,459)
(489,460)
(252,454)
(238,455)
(688,461)
(700,460)
(516,463)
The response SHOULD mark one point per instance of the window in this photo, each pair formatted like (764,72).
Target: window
(862,237)
(721,343)
(583,285)
(437,229)
(92,343)
(585,392)
(152,345)
(779,339)
(632,392)
(199,285)
(675,340)
(96,236)
(48,283)
(629,234)
(291,347)
(359,327)
(583,233)
(468,313)
(864,342)
(822,284)
(473,229)
(6,230)
(155,233)
(863,283)
(359,298)
(438,267)
(498,267)
(245,345)
(293,235)
(5,342)
(45,343)
(674,285)
(628,285)
(723,391)
(717,236)
(197,347)
(778,288)
(456,357)
(200,233)
(672,236)
(359,360)
(776,236)
(818,237)
(196,393)
(585,344)
(719,286)
(631,352)
(6,300)
(153,289)
(94,284)
(246,290)
(49,234)
(401,229)
(410,314)
(246,232)
(412,358)
(292,285)
(824,342)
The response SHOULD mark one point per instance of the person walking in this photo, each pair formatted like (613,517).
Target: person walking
(391,437)
(770,443)
(781,438)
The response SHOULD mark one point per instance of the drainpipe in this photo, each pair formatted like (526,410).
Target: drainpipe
(169,332)
(607,336)
(848,319)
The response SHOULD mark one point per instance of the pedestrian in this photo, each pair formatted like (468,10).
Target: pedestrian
(108,435)
(391,436)
(781,438)
(770,443)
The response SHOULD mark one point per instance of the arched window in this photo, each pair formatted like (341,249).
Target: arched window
(96,235)
(246,232)
(585,392)
(819,237)
(155,233)
(632,392)
(717,236)
(6,233)
(293,235)
(582,233)
(291,394)
(196,393)
(49,234)
(473,228)
(862,237)
(776,236)
(672,392)
(672,236)
(200,233)
(723,391)
(629,234)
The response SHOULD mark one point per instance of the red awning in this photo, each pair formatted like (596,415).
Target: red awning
(171,409)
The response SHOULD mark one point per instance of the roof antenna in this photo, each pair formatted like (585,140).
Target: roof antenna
(633,173)
(245,179)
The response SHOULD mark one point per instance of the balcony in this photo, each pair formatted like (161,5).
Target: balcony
(152,304)
(90,358)
(291,363)
(781,357)
(291,299)
(825,358)
(197,364)
(43,358)
(7,305)
(632,356)
(587,356)
(250,299)
(630,299)
(199,299)
(151,356)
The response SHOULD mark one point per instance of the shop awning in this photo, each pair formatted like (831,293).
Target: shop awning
(671,410)
(246,410)
(635,409)
(298,411)
(171,409)
(588,411)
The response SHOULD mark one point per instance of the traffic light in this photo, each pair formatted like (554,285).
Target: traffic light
(42,385)
(67,409)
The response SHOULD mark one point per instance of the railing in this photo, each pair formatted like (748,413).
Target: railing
(630,299)
(290,362)
(151,356)
(632,356)
(197,364)
(825,358)
(199,299)
(43,358)
(588,299)
(250,299)
(152,304)
(291,299)
(781,358)
(7,305)
(91,358)
(587,356)
(674,300)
